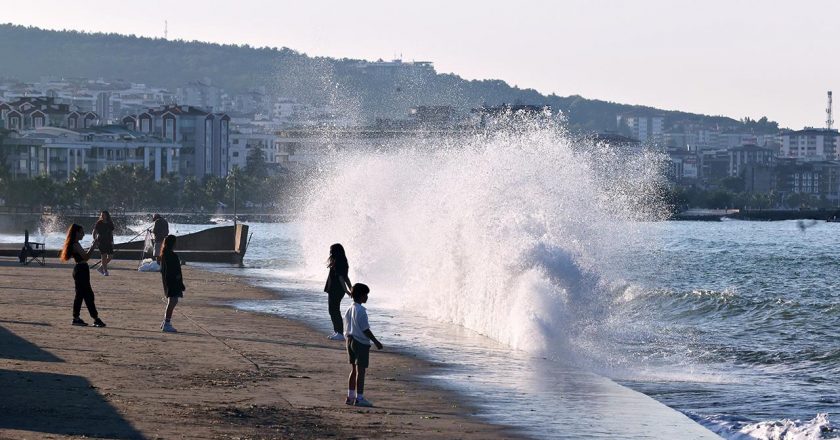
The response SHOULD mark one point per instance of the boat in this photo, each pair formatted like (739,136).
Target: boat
(220,244)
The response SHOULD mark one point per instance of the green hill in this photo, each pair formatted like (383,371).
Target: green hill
(28,53)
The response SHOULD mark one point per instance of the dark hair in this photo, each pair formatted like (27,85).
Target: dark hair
(67,249)
(156,216)
(337,256)
(168,244)
(107,216)
(359,289)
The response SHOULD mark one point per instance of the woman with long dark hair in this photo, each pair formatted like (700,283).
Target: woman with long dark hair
(81,274)
(173,281)
(338,285)
(103,232)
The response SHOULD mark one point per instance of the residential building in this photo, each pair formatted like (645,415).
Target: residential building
(203,135)
(818,178)
(27,113)
(810,144)
(742,156)
(643,128)
(201,93)
(57,152)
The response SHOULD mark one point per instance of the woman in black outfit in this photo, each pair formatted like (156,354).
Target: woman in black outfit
(103,232)
(81,274)
(338,285)
(173,282)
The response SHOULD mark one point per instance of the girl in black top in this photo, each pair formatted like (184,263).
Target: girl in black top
(81,274)
(338,284)
(173,282)
(103,232)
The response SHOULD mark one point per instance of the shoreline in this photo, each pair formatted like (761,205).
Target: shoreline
(221,376)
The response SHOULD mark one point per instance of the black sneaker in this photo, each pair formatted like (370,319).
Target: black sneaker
(98,323)
(79,322)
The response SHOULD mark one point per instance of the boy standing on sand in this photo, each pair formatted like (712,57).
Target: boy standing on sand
(358,335)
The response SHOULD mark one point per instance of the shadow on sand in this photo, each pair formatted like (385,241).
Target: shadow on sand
(14,347)
(58,404)
(53,403)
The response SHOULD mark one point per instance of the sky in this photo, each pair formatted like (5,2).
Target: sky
(738,58)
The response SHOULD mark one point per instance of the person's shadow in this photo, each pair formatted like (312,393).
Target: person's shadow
(50,402)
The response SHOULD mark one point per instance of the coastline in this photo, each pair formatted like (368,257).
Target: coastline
(226,374)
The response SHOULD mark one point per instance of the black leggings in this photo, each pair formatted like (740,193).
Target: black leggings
(81,278)
(335,311)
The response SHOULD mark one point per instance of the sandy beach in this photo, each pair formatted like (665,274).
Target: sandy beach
(225,374)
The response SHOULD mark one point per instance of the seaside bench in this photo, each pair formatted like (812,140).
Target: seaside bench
(32,251)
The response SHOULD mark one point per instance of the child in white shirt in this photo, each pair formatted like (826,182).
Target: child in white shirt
(358,335)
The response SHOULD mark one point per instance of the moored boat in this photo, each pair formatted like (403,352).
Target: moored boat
(221,244)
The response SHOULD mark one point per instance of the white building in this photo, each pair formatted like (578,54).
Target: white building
(645,129)
(57,152)
(810,144)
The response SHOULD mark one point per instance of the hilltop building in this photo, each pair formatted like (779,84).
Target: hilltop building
(810,144)
(643,128)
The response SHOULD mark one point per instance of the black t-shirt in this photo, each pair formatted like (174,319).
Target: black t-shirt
(105,232)
(334,284)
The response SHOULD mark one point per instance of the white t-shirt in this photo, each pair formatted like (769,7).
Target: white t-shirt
(356,322)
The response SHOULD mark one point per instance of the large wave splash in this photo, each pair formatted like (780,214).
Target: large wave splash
(510,233)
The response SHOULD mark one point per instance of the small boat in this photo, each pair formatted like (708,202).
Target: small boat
(221,244)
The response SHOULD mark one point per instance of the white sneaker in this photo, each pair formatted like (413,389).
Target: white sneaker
(363,402)
(167,327)
(336,337)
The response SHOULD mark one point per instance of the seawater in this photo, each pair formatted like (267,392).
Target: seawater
(735,324)
(534,270)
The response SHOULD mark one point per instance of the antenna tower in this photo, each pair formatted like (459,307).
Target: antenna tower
(166,30)
(829,120)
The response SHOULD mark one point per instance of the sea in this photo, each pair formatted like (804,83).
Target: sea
(538,275)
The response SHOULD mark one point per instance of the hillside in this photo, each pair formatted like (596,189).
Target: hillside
(28,53)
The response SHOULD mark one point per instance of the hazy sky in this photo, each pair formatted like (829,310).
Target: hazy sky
(731,57)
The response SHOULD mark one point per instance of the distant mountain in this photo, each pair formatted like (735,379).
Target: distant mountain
(29,53)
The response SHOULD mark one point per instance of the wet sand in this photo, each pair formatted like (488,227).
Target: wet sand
(225,374)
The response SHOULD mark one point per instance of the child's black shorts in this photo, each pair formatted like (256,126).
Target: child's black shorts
(359,353)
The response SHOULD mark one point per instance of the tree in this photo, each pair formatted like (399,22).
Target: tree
(214,189)
(167,192)
(193,195)
(256,164)
(79,187)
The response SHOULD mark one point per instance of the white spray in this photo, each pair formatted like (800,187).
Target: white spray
(510,233)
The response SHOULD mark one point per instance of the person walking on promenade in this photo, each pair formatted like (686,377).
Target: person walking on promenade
(160,230)
(338,285)
(103,233)
(173,281)
(81,274)
(359,336)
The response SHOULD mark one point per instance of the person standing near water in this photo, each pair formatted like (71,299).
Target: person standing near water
(173,281)
(81,274)
(338,285)
(359,336)
(160,230)
(103,233)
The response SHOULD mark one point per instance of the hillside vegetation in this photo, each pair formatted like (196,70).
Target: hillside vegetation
(28,53)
